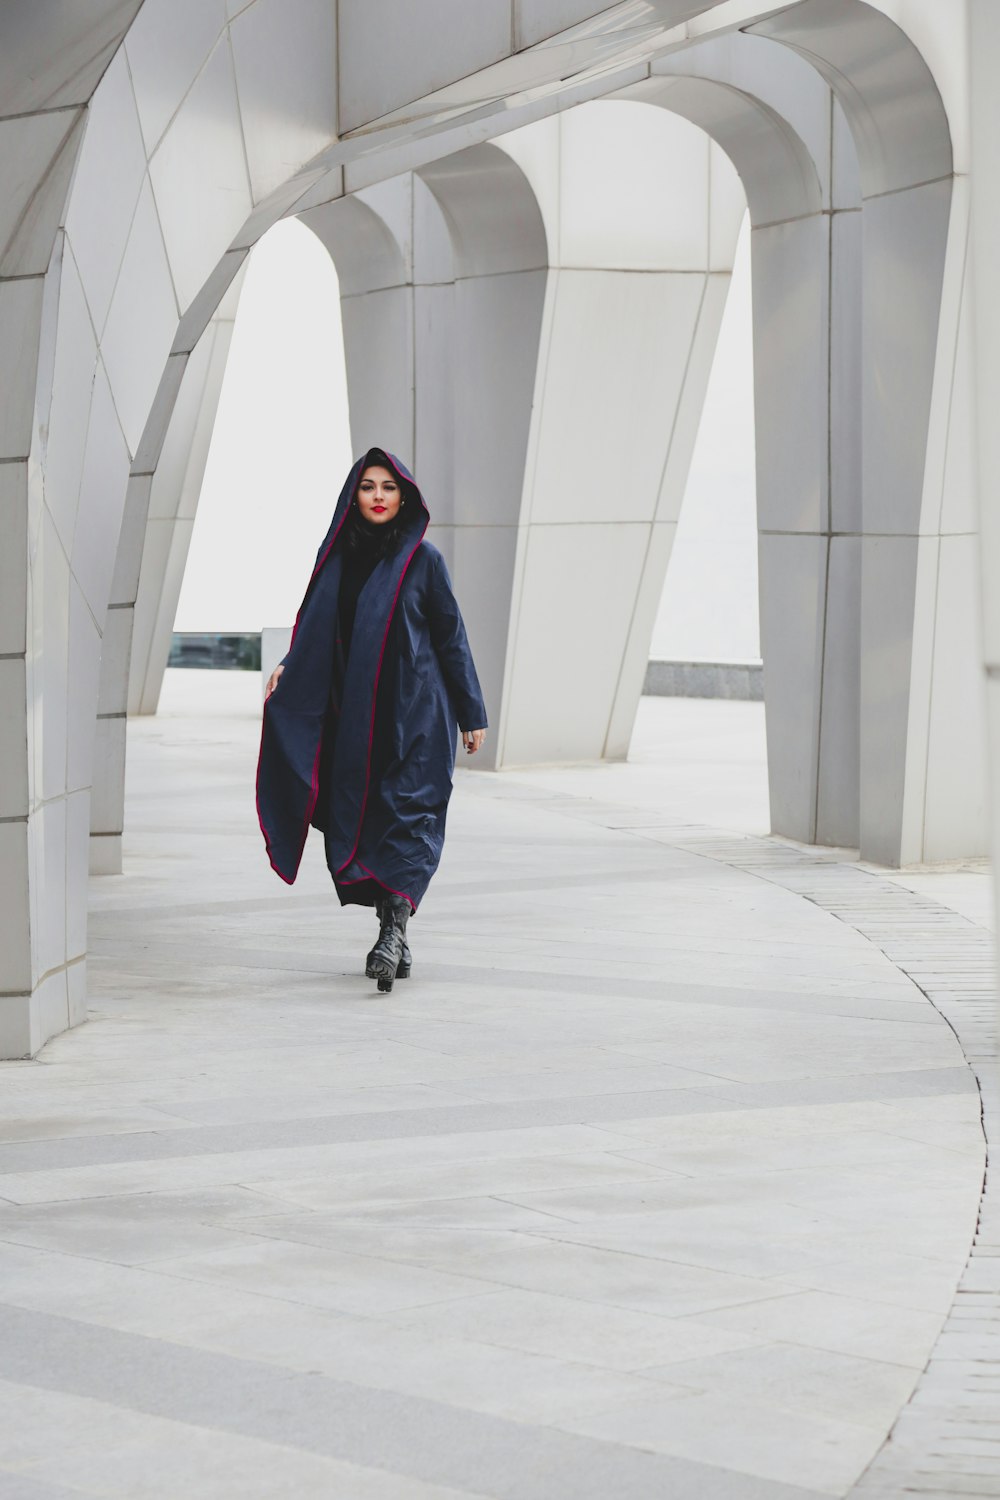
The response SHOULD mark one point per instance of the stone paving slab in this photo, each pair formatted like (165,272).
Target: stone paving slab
(657,1179)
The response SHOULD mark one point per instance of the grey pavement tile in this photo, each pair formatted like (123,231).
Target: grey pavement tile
(592,1084)
(291,1104)
(836,1198)
(957,1487)
(484,1212)
(417,1438)
(27,1487)
(532,1386)
(742,1433)
(845,1325)
(32,1413)
(778,1241)
(921,1284)
(618,1274)
(228,1319)
(868,1150)
(107,1451)
(585,1331)
(518,1260)
(271,1165)
(946,1135)
(296,1272)
(376,1188)
(912,1082)
(70,1122)
(50,1156)
(840,1158)
(793,1246)
(216,1467)
(863,1391)
(130,1231)
(131,1299)
(658,1138)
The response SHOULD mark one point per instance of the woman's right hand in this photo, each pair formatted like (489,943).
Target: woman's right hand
(272,682)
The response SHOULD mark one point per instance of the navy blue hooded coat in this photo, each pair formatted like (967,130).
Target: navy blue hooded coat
(409,680)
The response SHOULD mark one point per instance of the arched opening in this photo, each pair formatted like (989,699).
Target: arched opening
(709,608)
(280,442)
(642,226)
(733,90)
(772,114)
(869,754)
(444,281)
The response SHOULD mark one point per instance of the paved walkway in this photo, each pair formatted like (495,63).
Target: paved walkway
(656,1180)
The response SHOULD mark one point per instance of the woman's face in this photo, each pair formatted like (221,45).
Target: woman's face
(379,496)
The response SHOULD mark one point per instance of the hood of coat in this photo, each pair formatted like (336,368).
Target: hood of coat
(412,519)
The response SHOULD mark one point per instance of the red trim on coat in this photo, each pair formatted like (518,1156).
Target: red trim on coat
(370,875)
(313,795)
(378,673)
(314,787)
(314,781)
(260,819)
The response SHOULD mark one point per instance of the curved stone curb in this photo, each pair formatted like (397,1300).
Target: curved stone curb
(945,1442)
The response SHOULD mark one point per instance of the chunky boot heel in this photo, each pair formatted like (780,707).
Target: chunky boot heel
(406,958)
(386,957)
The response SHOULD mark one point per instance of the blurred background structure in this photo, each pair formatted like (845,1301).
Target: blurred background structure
(505,235)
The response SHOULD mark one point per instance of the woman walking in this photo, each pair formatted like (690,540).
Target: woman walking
(358,736)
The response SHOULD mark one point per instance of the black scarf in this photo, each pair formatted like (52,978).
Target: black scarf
(365,544)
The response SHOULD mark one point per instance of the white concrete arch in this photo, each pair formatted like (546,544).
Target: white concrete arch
(883,84)
(367,253)
(923,771)
(160,512)
(478,327)
(102,334)
(491,211)
(157,519)
(776,120)
(890,547)
(384,269)
(191,150)
(156,551)
(642,215)
(442,295)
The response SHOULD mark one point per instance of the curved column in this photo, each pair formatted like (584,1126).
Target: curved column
(874,712)
(173,500)
(161,505)
(48,636)
(777,121)
(369,236)
(464,327)
(642,216)
(922,773)
(157,522)
(478,348)
(151,236)
(443,275)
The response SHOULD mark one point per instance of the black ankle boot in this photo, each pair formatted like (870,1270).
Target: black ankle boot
(406,960)
(386,956)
